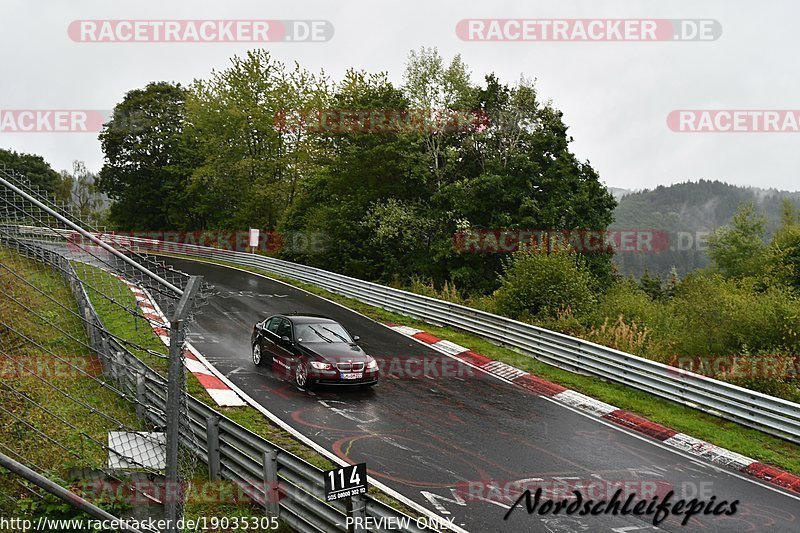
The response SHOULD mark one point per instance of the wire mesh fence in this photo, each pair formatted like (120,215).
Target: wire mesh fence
(68,404)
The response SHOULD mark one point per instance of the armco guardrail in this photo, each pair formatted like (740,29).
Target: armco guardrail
(287,486)
(767,413)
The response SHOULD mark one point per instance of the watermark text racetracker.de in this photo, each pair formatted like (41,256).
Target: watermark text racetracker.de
(49,366)
(734,120)
(580,240)
(508,491)
(584,241)
(199,31)
(757,367)
(52,120)
(588,30)
(301,242)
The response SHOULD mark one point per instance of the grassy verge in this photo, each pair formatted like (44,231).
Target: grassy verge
(121,323)
(730,435)
(53,417)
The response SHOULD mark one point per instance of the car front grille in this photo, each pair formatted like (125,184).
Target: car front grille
(350,367)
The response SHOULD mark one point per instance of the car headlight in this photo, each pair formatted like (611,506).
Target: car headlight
(372,365)
(321,366)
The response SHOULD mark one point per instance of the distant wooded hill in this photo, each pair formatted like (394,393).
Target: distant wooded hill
(687,211)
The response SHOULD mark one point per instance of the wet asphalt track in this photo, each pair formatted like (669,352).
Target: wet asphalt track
(426,437)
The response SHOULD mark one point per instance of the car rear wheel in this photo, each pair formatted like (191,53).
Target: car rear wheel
(301,375)
(257,354)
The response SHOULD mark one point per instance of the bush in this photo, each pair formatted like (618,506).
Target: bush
(627,299)
(726,316)
(540,284)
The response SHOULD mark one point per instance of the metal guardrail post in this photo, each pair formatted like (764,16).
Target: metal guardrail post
(87,316)
(212,445)
(271,493)
(141,396)
(357,508)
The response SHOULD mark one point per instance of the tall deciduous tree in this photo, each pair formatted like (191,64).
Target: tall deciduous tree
(436,89)
(147,162)
(252,162)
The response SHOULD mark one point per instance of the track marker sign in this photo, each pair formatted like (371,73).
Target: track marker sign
(345,482)
(254,236)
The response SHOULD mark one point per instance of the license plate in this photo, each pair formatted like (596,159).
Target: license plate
(353,375)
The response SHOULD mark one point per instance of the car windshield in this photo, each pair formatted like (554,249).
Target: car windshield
(322,332)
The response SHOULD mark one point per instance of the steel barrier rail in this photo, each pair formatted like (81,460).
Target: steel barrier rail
(241,456)
(761,411)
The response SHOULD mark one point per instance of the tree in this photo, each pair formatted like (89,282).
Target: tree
(652,285)
(673,280)
(784,249)
(252,163)
(79,191)
(349,197)
(436,90)
(737,250)
(147,159)
(520,173)
(38,171)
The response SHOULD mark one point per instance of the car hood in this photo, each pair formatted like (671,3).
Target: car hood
(336,351)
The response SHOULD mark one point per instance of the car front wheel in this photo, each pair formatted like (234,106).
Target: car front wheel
(301,375)
(257,354)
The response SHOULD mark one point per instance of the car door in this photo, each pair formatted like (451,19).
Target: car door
(269,337)
(285,349)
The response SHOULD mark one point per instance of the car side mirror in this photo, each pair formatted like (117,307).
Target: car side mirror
(286,340)
(356,338)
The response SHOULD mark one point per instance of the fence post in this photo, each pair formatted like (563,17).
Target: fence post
(271,493)
(106,352)
(87,316)
(141,397)
(212,445)
(119,366)
(175,396)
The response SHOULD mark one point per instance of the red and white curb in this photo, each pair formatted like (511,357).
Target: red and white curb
(219,391)
(714,454)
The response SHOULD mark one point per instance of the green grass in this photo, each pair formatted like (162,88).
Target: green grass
(735,437)
(114,302)
(62,418)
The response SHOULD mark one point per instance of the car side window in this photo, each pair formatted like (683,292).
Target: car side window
(273,324)
(285,329)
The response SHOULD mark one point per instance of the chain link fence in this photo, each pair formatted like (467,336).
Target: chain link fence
(68,403)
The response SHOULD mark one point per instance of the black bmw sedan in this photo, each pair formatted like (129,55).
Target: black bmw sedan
(312,350)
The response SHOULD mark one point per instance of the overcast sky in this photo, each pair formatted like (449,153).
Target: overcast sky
(615,95)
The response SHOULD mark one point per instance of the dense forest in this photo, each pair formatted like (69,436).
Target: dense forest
(689,212)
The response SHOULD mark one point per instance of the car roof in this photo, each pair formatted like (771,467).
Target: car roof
(309,319)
